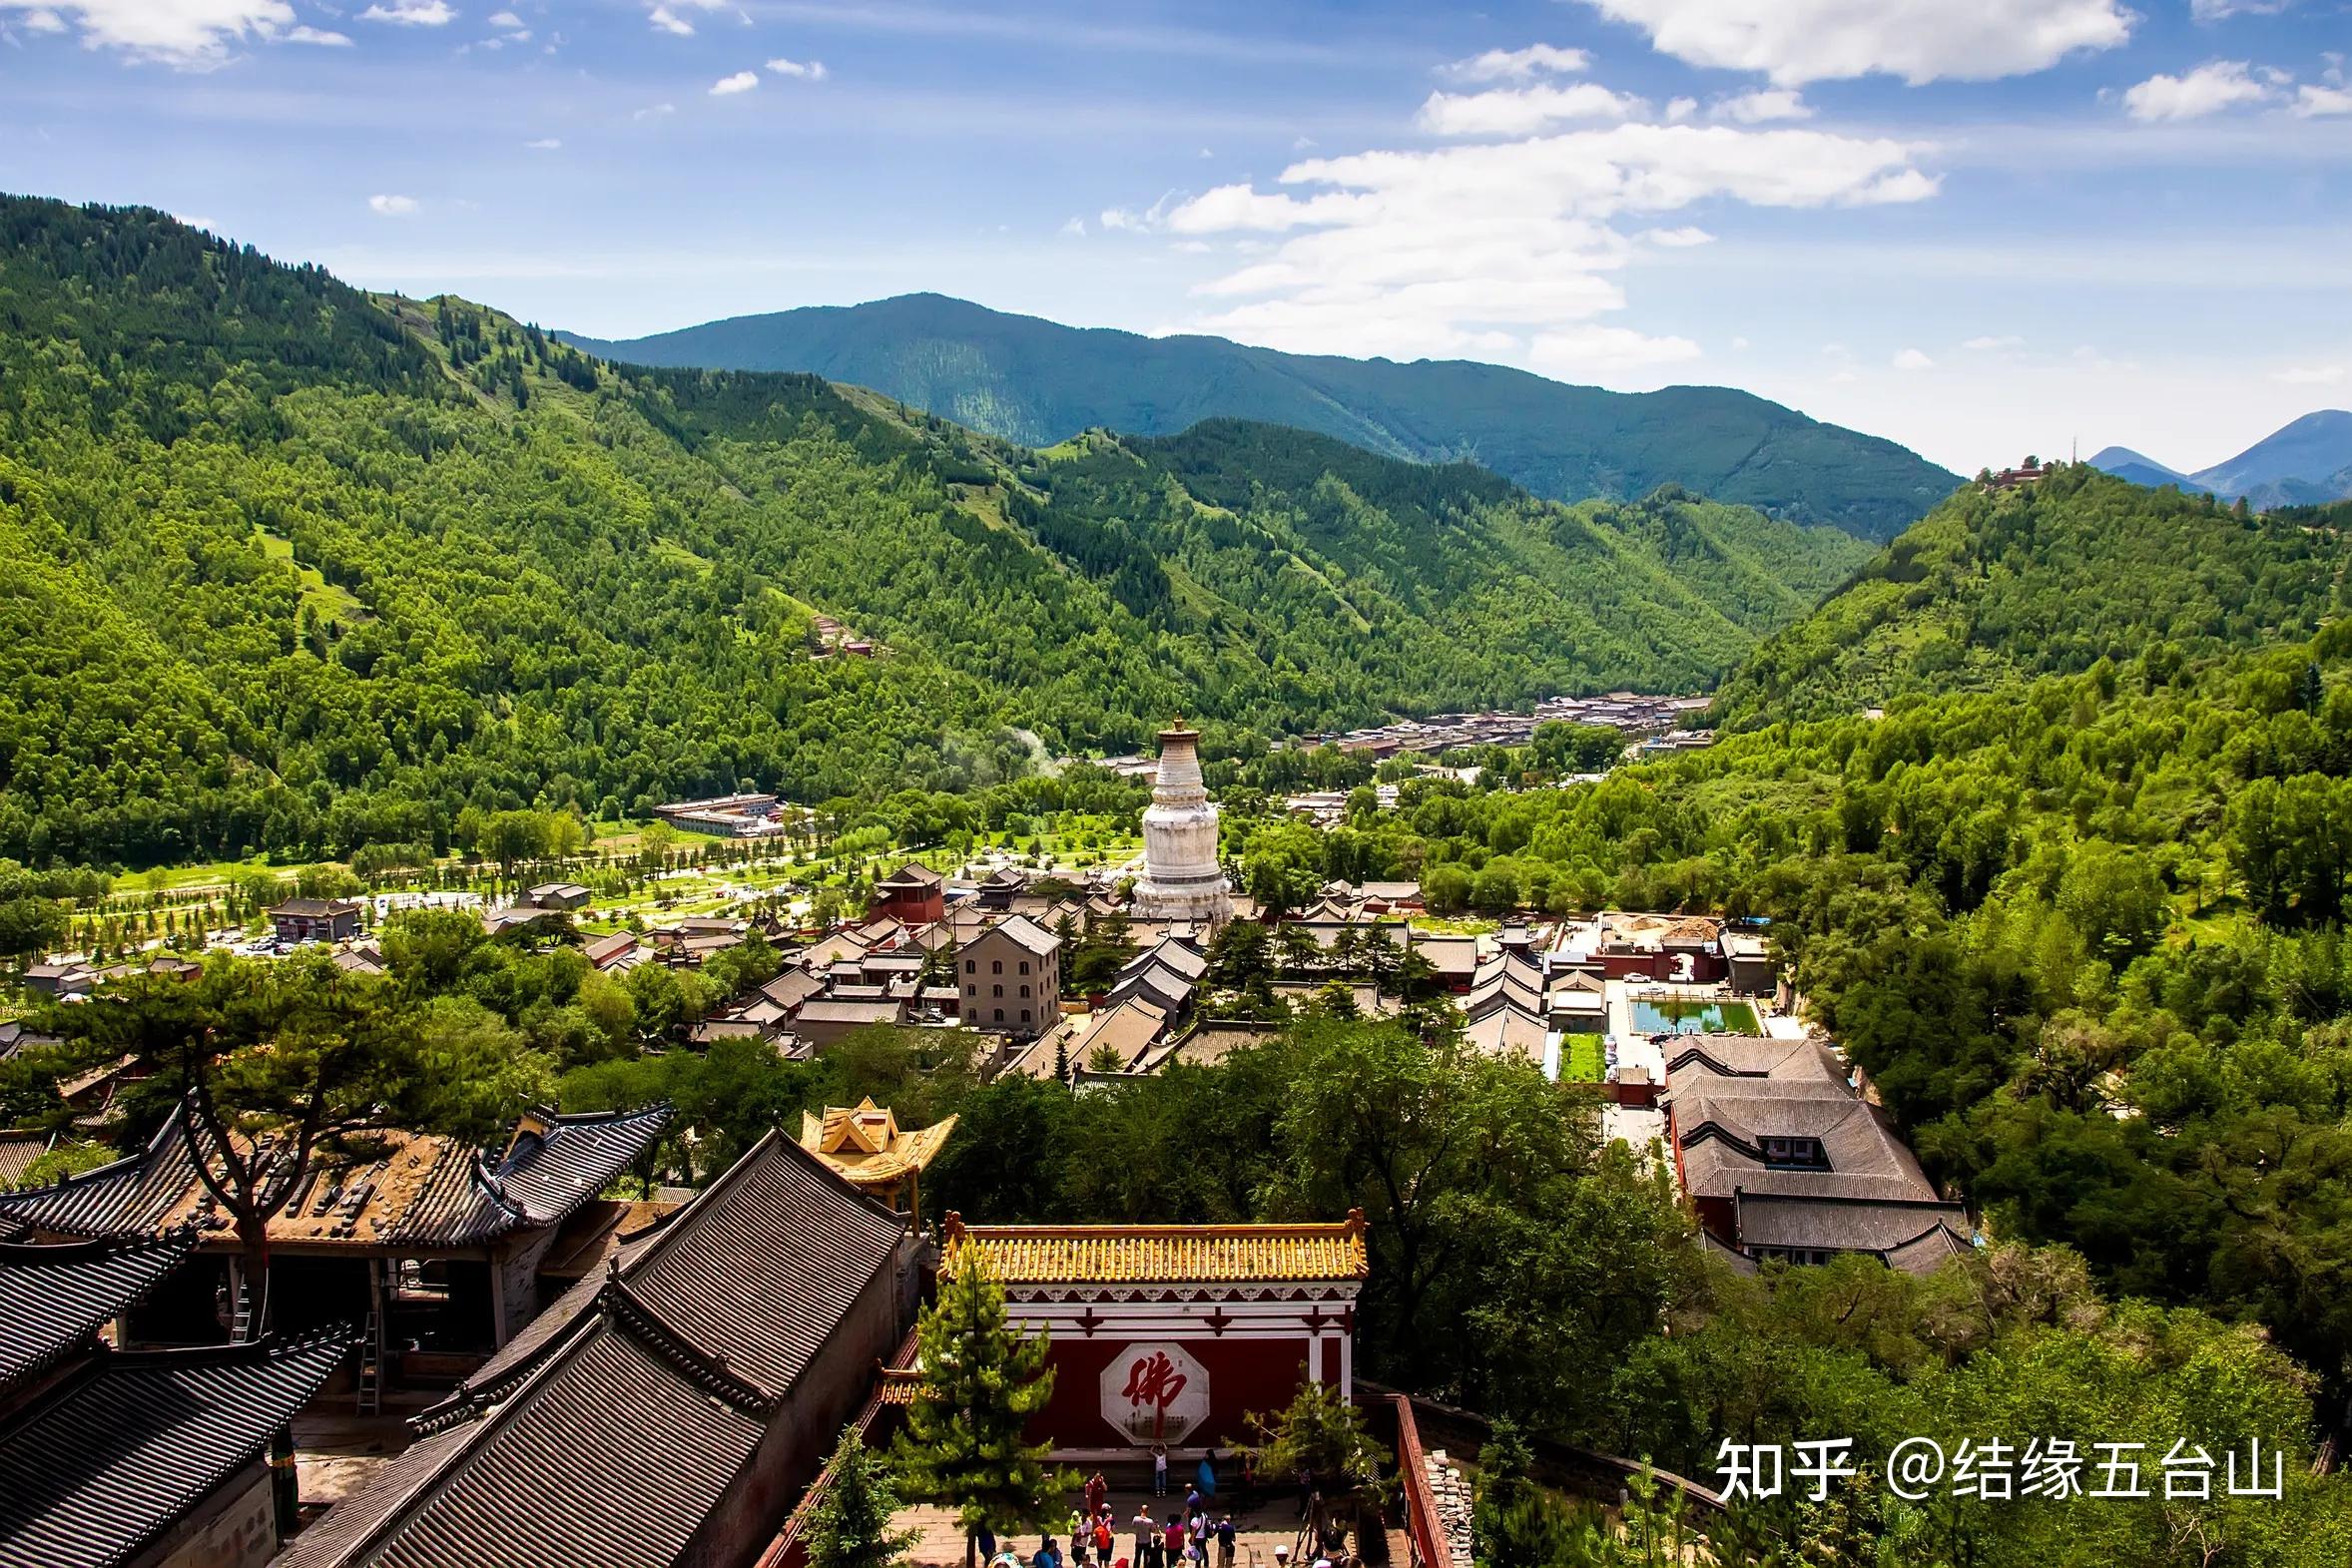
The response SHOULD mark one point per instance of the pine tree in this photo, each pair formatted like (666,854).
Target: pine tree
(983,1379)
(850,1528)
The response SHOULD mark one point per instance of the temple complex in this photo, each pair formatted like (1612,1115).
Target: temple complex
(1181,878)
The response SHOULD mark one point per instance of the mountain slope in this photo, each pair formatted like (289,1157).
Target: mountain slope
(2307,462)
(373,562)
(2048,580)
(1036,381)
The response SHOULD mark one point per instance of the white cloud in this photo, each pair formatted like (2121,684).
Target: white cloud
(1987,344)
(194,221)
(2312,101)
(545,144)
(1739,342)
(740,82)
(1763,105)
(411,13)
(1799,41)
(505,19)
(319,37)
(1516,111)
(1480,248)
(803,70)
(1117,218)
(2309,375)
(1517,65)
(179,33)
(655,110)
(1075,227)
(1911,360)
(2210,11)
(2209,89)
(392,205)
(1681,108)
(1599,351)
(1678,239)
(665,14)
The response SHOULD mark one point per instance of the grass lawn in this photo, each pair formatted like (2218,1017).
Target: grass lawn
(1583,1059)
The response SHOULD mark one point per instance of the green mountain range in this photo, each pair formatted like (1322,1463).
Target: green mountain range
(284,565)
(1036,381)
(2048,579)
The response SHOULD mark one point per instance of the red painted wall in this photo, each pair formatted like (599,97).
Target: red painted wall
(1244,1376)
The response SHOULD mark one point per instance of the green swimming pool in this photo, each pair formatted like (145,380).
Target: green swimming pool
(1667,1016)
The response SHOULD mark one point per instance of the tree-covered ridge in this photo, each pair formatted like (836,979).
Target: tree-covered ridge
(1035,383)
(2084,934)
(2048,579)
(369,562)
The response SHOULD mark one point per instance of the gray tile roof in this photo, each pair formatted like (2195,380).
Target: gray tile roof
(53,1297)
(1720,1125)
(607,1431)
(106,1462)
(425,1193)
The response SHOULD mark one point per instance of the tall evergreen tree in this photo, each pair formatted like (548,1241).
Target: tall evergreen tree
(850,1528)
(962,1445)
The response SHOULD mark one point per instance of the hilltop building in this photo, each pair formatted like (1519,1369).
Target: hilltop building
(1181,878)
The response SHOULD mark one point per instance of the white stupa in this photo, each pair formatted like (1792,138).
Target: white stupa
(1181,879)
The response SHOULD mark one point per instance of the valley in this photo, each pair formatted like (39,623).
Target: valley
(418,731)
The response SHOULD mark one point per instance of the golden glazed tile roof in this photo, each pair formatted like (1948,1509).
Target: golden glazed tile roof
(1166,1253)
(865,1143)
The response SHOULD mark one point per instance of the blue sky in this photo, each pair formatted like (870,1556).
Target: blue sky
(1979,227)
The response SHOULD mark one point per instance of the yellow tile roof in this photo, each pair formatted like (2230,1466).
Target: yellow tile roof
(1165,1254)
(865,1143)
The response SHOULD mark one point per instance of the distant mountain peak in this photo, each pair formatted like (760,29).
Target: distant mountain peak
(2306,461)
(1036,382)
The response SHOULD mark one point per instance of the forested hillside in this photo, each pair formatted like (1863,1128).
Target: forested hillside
(2085,932)
(1036,382)
(2048,579)
(287,566)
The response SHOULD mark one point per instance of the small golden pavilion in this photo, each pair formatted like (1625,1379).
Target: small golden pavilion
(871,1151)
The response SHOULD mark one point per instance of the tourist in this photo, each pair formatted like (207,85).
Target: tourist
(1147,1536)
(1046,1556)
(1098,1493)
(1225,1542)
(1102,1536)
(1159,1469)
(1204,1480)
(1191,1499)
(1173,1536)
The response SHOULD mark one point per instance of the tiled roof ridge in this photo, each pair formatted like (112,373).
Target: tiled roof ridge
(1245,1228)
(706,1368)
(87,1249)
(342,1336)
(683,1220)
(98,1173)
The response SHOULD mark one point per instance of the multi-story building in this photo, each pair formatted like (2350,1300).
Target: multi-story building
(1011,976)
